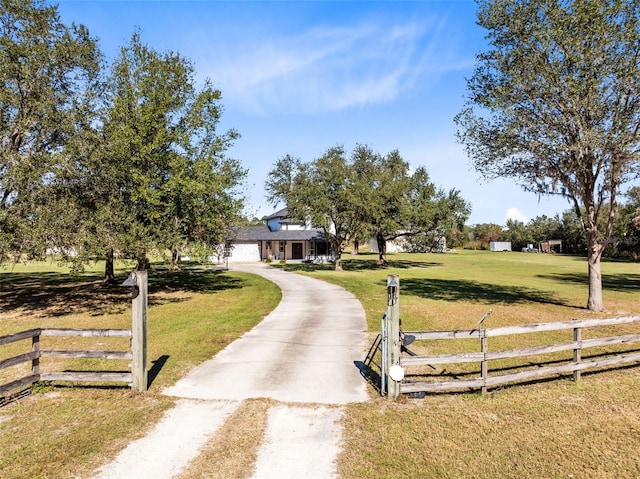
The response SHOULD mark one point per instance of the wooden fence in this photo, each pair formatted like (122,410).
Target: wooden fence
(534,371)
(36,353)
(136,377)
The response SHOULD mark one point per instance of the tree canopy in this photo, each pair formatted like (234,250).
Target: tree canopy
(97,162)
(554,103)
(401,204)
(161,163)
(324,192)
(48,73)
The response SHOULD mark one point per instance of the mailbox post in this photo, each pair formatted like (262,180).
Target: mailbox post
(394,371)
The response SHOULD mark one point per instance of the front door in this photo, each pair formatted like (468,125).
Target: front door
(296,251)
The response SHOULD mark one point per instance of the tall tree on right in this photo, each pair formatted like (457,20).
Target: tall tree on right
(554,103)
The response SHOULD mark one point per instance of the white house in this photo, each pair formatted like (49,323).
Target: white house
(279,239)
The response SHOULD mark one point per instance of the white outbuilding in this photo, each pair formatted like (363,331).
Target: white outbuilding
(500,246)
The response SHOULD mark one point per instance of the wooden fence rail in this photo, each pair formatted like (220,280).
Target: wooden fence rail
(484,381)
(36,353)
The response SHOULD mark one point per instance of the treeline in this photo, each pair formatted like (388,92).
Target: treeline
(364,194)
(106,159)
(625,242)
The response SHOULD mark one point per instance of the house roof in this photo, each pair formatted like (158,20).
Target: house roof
(262,233)
(283,213)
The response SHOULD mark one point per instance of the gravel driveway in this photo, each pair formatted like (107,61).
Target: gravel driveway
(302,355)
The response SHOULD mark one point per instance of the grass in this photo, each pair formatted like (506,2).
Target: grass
(69,430)
(234,449)
(546,430)
(550,429)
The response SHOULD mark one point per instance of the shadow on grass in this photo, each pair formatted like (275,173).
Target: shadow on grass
(461,290)
(152,374)
(623,282)
(58,294)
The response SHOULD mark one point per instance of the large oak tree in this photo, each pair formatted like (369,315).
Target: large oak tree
(48,72)
(159,178)
(400,204)
(365,192)
(554,103)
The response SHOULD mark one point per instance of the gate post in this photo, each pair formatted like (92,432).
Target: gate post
(393,331)
(139,333)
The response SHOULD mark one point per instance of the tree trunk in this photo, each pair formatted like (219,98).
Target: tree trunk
(338,261)
(175,260)
(143,262)
(109,276)
(382,248)
(594,303)
(356,247)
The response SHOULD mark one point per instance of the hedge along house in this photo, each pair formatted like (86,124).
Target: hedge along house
(280,239)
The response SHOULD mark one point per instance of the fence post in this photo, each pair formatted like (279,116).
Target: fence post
(139,334)
(484,349)
(484,367)
(35,362)
(383,354)
(577,351)
(393,330)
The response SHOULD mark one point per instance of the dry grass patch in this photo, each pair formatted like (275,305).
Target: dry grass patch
(554,429)
(232,453)
(69,432)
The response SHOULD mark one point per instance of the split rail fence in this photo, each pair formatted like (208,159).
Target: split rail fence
(136,376)
(36,353)
(573,366)
(403,371)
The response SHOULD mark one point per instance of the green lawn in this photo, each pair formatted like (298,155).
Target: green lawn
(547,429)
(68,431)
(454,290)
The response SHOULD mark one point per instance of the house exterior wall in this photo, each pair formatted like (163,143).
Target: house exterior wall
(393,246)
(276,224)
(284,250)
(278,240)
(400,245)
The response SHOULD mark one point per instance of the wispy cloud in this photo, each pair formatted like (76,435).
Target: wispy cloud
(327,68)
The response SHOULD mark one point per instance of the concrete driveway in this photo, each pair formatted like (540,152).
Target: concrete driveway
(302,354)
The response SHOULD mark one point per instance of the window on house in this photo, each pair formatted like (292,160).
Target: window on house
(282,243)
(322,248)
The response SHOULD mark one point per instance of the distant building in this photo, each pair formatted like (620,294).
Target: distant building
(550,246)
(500,246)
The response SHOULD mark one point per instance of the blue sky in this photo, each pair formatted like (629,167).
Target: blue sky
(299,77)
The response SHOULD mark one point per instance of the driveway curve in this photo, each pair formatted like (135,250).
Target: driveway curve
(302,352)
(303,355)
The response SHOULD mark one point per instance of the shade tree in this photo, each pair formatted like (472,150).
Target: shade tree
(554,103)
(159,177)
(48,73)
